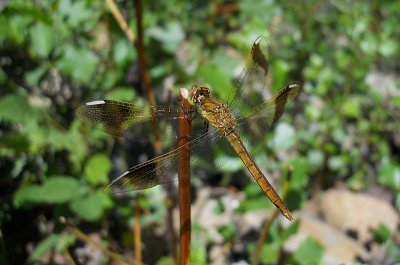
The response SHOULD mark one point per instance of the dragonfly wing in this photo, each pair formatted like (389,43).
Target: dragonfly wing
(159,170)
(116,117)
(265,115)
(252,80)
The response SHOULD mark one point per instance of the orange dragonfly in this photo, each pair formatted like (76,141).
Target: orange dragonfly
(117,117)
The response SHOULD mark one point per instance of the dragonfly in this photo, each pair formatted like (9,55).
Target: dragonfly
(117,117)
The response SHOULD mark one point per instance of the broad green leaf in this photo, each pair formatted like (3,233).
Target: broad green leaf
(212,75)
(270,253)
(284,137)
(89,208)
(299,178)
(79,63)
(60,189)
(389,174)
(97,168)
(16,108)
(310,252)
(280,71)
(351,107)
(123,52)
(42,39)
(28,194)
(124,94)
(170,36)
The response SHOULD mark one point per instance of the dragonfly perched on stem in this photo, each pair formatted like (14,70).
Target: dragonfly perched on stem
(117,117)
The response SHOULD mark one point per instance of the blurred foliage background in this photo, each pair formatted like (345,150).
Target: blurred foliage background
(341,135)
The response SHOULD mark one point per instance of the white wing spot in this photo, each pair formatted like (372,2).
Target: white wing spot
(96,102)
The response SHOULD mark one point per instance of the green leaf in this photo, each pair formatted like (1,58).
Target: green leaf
(45,246)
(284,137)
(42,39)
(33,77)
(382,234)
(228,231)
(280,72)
(299,176)
(97,168)
(270,253)
(291,230)
(28,194)
(351,107)
(215,77)
(90,208)
(170,36)
(165,261)
(124,94)
(60,189)
(310,252)
(79,63)
(389,174)
(16,108)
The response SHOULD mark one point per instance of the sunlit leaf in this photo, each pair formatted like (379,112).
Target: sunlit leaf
(309,252)
(270,253)
(79,63)
(16,108)
(90,208)
(284,137)
(42,39)
(97,168)
(60,189)
(389,174)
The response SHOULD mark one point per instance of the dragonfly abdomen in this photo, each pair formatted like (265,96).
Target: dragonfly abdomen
(262,181)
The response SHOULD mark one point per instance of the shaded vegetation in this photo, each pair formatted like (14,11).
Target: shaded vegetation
(55,55)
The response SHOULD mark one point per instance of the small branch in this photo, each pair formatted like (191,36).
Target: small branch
(75,230)
(137,232)
(184,181)
(268,222)
(121,21)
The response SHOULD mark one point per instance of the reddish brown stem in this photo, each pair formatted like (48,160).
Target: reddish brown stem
(184,183)
(151,99)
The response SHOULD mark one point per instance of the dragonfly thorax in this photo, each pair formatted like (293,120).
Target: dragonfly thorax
(215,112)
(197,94)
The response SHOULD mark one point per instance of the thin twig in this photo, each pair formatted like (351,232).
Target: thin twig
(268,222)
(68,257)
(148,87)
(137,231)
(121,21)
(75,230)
(184,182)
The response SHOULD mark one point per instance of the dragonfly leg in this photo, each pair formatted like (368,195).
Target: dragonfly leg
(206,127)
(190,114)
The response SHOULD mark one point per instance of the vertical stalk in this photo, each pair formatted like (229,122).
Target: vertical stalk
(184,181)
(151,99)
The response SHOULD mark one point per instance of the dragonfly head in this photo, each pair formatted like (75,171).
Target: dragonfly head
(197,94)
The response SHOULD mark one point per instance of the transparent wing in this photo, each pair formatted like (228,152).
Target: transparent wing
(265,115)
(251,82)
(159,170)
(116,117)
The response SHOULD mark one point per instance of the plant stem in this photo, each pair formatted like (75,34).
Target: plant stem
(184,183)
